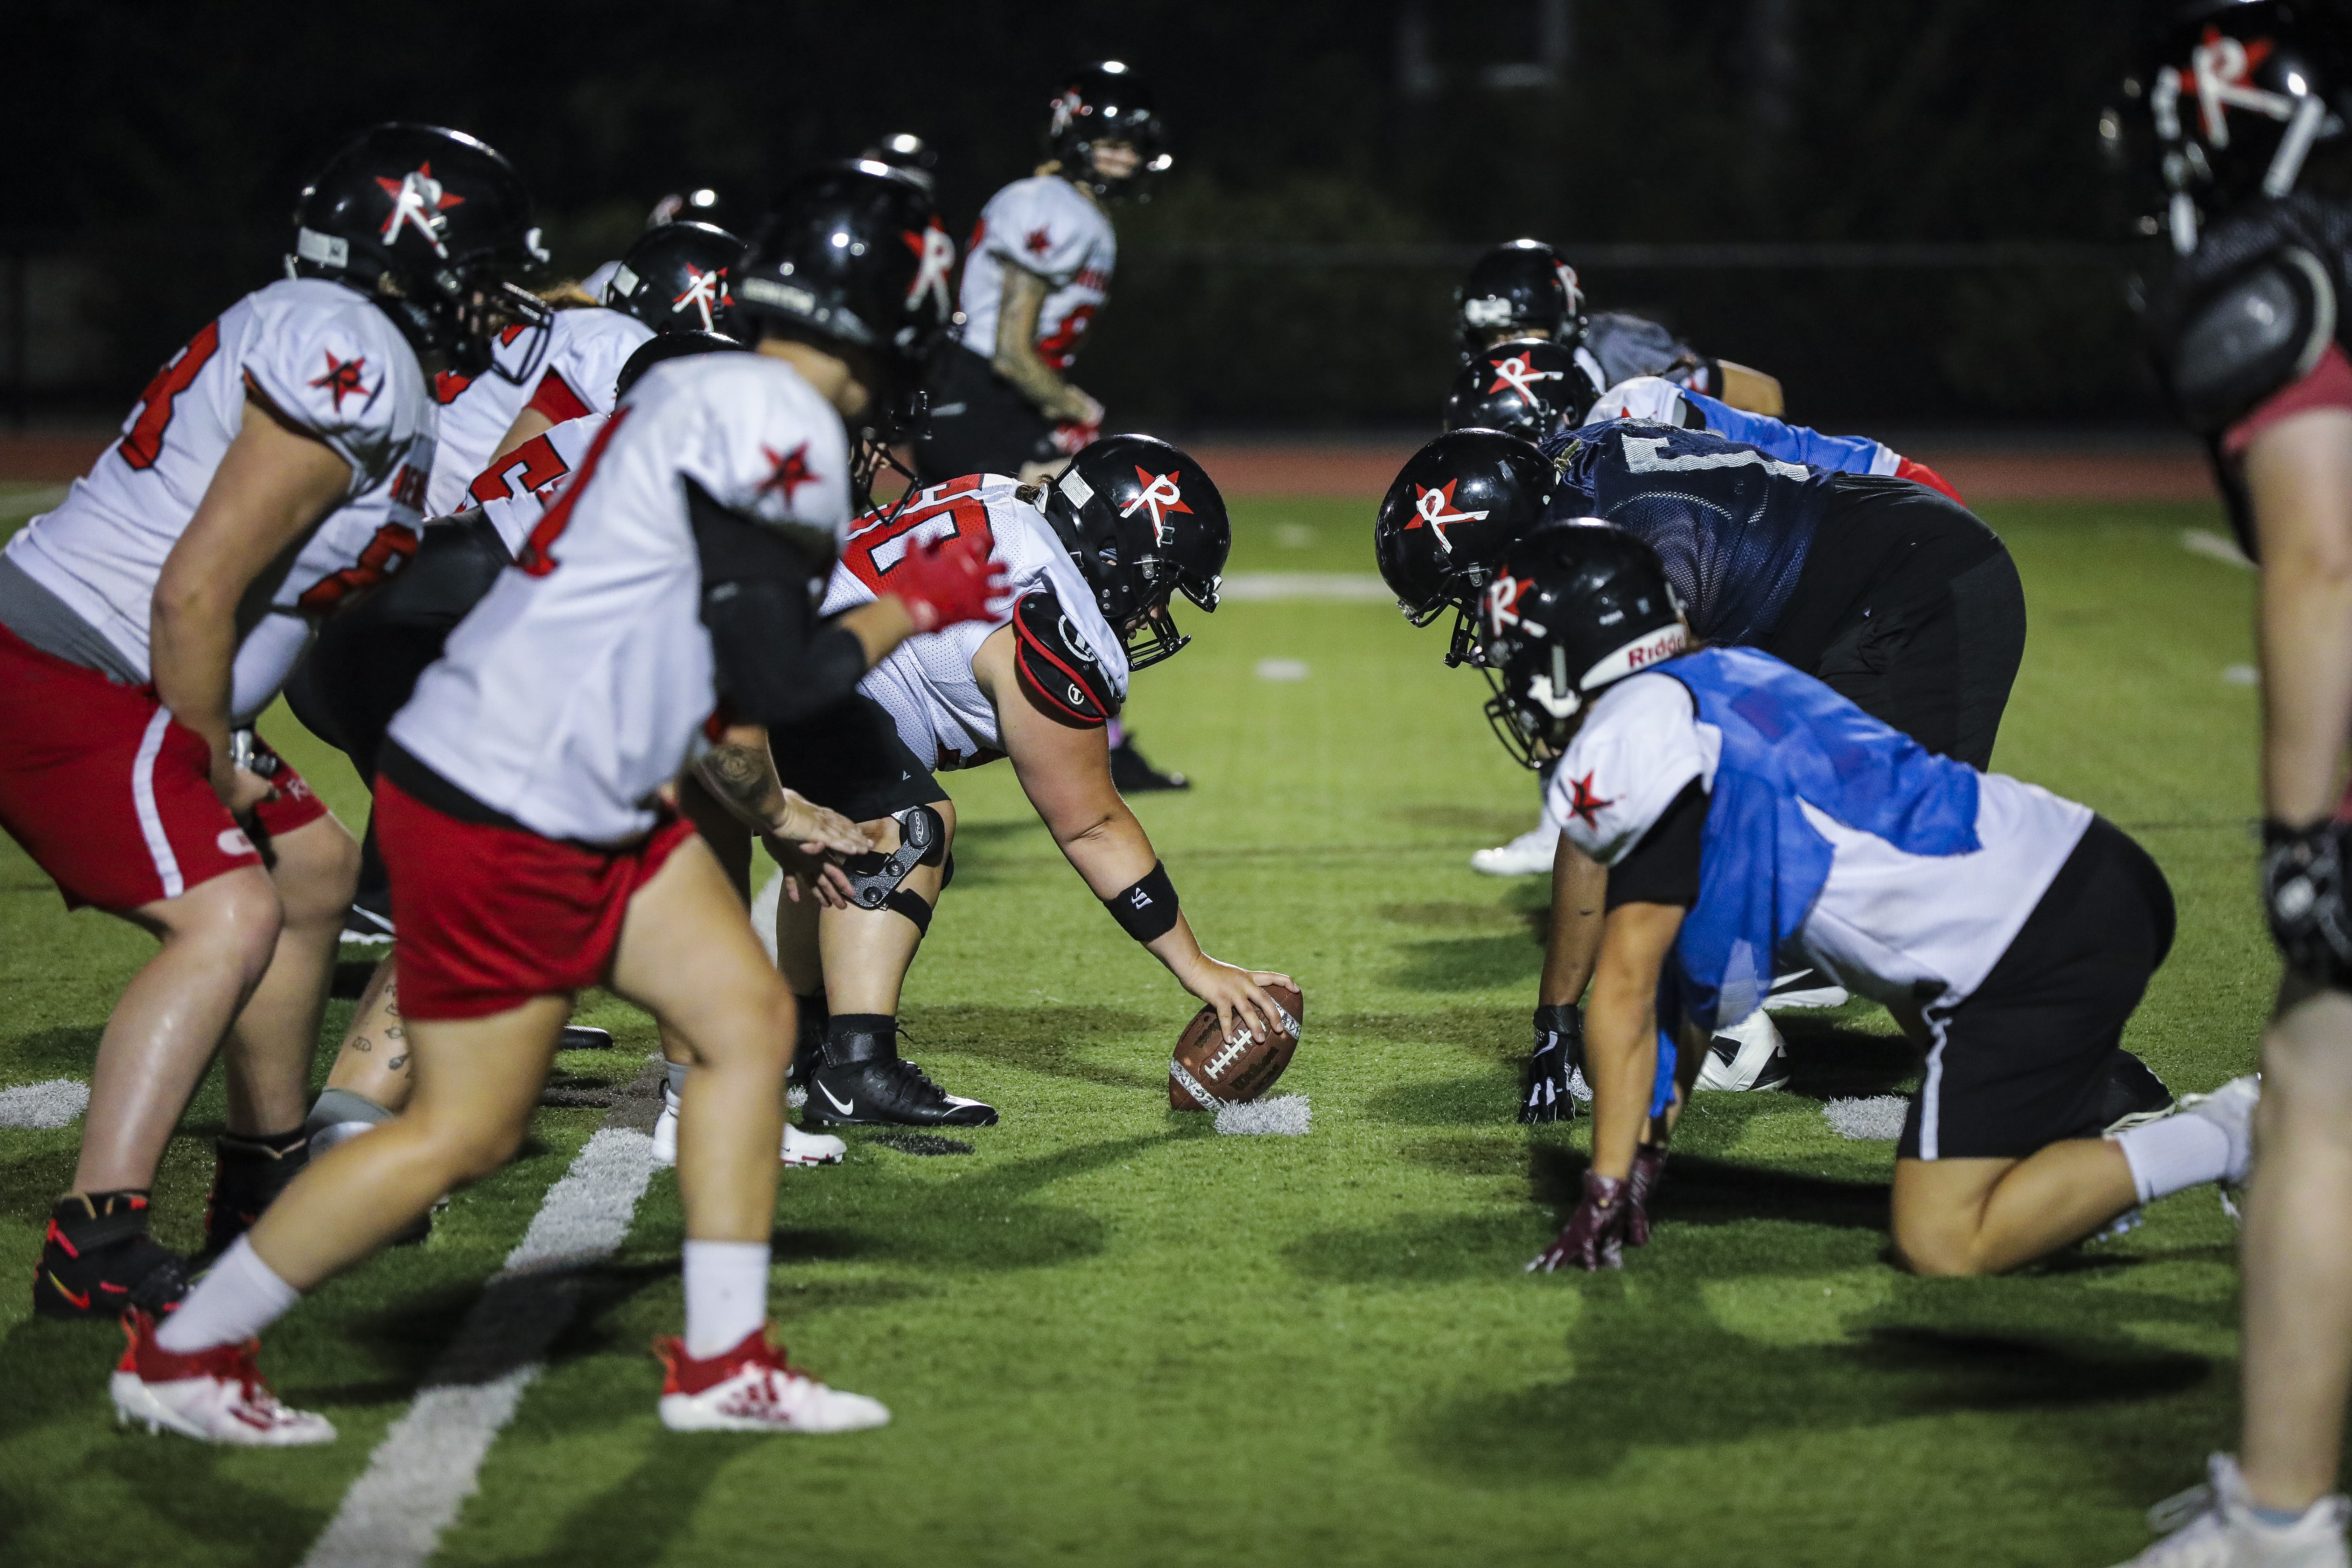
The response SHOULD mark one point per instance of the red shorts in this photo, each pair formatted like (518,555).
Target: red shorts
(110,795)
(487,917)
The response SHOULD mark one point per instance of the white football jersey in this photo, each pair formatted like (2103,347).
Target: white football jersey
(336,368)
(927,682)
(515,491)
(580,685)
(585,351)
(1046,225)
(1897,927)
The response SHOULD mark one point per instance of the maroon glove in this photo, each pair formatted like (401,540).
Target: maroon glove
(1594,1237)
(947,581)
(1649,1164)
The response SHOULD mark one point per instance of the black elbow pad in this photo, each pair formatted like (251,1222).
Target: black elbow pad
(771,668)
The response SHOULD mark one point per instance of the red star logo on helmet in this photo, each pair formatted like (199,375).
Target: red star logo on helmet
(1516,371)
(1435,508)
(342,379)
(1037,241)
(791,471)
(1159,493)
(417,199)
(1587,806)
(935,259)
(705,293)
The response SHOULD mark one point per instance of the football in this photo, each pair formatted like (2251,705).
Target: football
(1207,1069)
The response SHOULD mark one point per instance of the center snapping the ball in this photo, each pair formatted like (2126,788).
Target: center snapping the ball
(1209,1070)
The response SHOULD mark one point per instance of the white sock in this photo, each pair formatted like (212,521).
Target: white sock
(238,1299)
(2178,1152)
(726,1294)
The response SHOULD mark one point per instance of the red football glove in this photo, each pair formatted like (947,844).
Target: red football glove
(1649,1165)
(1072,436)
(948,581)
(1594,1237)
(1921,474)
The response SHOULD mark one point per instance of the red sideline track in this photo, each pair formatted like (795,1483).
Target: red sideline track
(1343,468)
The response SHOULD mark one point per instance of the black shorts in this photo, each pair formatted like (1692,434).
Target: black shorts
(979,423)
(2024,1061)
(1910,607)
(851,758)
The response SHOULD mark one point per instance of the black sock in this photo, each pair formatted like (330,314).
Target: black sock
(97,1219)
(860,1036)
(264,1146)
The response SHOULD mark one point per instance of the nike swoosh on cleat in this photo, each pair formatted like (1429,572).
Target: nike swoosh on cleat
(847,1109)
(82,1300)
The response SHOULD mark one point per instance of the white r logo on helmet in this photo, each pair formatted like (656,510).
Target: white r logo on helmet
(935,252)
(1516,373)
(418,200)
(1159,490)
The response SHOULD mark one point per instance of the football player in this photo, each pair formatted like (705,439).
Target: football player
(1039,273)
(1529,387)
(2251,341)
(1751,816)
(1094,562)
(1525,289)
(520,795)
(270,470)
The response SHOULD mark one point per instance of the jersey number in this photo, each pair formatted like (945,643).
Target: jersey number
(1061,346)
(534,463)
(879,541)
(391,548)
(145,444)
(535,559)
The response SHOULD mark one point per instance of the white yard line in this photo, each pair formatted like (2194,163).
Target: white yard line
(1346,587)
(425,1467)
(53,1103)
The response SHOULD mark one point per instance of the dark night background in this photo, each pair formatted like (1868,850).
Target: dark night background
(1334,161)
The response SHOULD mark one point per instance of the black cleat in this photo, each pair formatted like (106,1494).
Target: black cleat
(248,1175)
(581,1037)
(97,1259)
(1130,774)
(2133,1094)
(885,1091)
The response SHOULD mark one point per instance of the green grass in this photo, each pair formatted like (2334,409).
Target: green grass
(1111,1336)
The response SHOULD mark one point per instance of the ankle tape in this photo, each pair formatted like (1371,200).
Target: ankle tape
(860,1037)
(97,1220)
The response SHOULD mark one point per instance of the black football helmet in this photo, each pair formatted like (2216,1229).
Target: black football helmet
(1530,388)
(1143,522)
(2239,93)
(674,279)
(671,345)
(1519,289)
(1577,606)
(434,228)
(1456,506)
(909,154)
(853,255)
(1106,102)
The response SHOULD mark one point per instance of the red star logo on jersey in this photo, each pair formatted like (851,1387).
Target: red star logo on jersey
(342,379)
(417,199)
(705,292)
(1587,806)
(791,471)
(1037,241)
(1160,494)
(1435,508)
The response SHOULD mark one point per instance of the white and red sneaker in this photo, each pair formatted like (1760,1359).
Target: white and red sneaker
(215,1395)
(753,1388)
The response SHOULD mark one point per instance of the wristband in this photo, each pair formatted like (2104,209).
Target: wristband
(1146,911)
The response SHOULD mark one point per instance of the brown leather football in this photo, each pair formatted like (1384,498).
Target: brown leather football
(1207,1069)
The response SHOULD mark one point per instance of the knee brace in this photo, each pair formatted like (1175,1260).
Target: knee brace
(878,880)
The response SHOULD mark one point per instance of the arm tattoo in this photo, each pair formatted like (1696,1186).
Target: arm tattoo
(743,780)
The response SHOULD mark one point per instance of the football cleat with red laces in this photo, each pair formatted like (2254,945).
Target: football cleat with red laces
(215,1395)
(753,1388)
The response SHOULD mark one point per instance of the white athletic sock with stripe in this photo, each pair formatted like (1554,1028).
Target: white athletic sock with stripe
(236,1300)
(726,1294)
(2175,1152)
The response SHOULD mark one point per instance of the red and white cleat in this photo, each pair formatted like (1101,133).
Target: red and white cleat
(215,1396)
(753,1388)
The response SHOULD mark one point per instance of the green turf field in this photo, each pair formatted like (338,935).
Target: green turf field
(1112,1336)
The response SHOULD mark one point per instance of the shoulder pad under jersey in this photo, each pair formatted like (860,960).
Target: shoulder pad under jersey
(2261,330)
(1056,668)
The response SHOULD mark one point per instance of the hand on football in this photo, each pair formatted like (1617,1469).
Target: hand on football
(1594,1236)
(1239,996)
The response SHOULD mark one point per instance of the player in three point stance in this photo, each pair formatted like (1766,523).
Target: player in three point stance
(1093,565)
(1039,273)
(1751,817)
(520,799)
(2250,338)
(1527,387)
(272,468)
